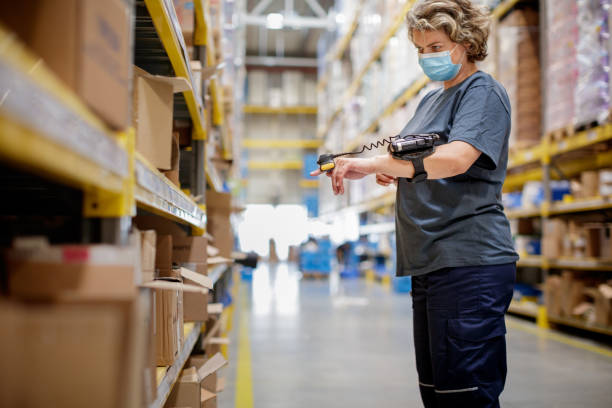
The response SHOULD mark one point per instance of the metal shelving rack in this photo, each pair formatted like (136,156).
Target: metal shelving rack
(66,143)
(284,110)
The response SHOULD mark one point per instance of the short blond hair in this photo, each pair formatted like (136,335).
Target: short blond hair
(461,20)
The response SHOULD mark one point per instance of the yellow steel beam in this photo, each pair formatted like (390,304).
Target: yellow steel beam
(201,26)
(281,143)
(503,8)
(157,194)
(275,165)
(582,139)
(216,91)
(309,183)
(32,151)
(99,203)
(338,49)
(569,169)
(169,39)
(286,110)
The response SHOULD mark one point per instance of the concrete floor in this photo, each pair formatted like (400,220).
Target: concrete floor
(348,343)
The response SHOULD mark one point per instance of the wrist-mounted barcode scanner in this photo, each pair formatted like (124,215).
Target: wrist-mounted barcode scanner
(413,148)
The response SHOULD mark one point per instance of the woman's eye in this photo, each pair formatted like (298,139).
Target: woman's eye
(436,47)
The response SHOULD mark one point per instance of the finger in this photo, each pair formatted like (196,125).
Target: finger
(390,177)
(381,183)
(337,179)
(315,173)
(383,178)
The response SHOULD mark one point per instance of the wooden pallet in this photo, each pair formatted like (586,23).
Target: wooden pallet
(315,275)
(560,134)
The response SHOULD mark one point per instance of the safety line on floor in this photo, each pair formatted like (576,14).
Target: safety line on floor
(551,335)
(244,381)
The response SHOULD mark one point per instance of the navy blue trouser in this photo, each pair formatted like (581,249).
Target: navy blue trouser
(459,334)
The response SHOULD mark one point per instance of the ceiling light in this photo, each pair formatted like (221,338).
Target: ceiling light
(340,19)
(274,21)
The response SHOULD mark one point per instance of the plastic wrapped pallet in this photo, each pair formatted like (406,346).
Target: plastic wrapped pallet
(592,97)
(518,70)
(561,39)
(292,88)
(258,86)
(310,91)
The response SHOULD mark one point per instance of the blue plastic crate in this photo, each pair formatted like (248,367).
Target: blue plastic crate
(402,284)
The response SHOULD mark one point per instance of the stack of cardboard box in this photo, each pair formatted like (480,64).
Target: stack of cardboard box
(571,239)
(84,301)
(572,295)
(519,72)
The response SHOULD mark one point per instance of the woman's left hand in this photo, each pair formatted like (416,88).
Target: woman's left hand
(347,168)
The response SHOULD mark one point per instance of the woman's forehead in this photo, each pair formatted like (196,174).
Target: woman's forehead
(427,37)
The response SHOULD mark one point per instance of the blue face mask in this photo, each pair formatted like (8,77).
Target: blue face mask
(438,66)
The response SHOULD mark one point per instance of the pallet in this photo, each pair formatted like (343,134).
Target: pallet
(570,130)
(561,134)
(315,275)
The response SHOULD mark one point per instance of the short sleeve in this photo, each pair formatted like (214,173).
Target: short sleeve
(483,121)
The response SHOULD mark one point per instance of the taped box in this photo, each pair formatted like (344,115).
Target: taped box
(39,271)
(189,392)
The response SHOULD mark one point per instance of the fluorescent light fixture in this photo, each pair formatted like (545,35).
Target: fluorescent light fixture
(340,19)
(274,21)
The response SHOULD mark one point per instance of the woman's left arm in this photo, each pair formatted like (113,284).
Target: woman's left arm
(448,160)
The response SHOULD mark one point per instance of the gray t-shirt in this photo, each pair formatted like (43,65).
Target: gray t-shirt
(458,221)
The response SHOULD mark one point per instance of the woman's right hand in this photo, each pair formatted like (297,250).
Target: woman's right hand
(384,180)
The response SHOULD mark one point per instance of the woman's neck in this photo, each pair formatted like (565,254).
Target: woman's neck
(466,71)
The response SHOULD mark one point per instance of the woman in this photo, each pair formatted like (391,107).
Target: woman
(452,234)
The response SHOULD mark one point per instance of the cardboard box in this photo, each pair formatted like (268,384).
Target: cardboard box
(594,234)
(195,305)
(186,392)
(37,270)
(571,292)
(603,305)
(163,257)
(185,13)
(219,209)
(553,232)
(173,173)
(590,184)
(152,115)
(208,399)
(189,250)
(150,368)
(64,354)
(86,43)
(552,295)
(214,345)
(148,244)
(189,386)
(168,324)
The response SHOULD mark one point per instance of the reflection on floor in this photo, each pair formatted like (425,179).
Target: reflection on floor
(348,343)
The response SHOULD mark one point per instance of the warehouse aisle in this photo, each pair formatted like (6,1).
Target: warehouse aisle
(348,343)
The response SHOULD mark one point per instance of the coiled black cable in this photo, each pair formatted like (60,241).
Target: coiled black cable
(371,146)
